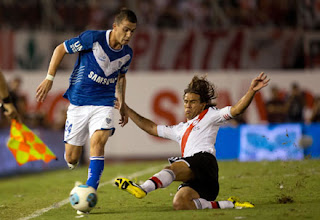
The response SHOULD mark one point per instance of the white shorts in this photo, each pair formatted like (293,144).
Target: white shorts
(85,120)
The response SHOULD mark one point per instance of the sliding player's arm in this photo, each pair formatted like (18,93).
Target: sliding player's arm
(145,124)
(257,83)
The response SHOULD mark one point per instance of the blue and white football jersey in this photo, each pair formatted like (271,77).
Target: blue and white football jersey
(94,77)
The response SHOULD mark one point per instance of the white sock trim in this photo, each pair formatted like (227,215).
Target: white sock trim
(166,177)
(197,203)
(97,158)
(202,203)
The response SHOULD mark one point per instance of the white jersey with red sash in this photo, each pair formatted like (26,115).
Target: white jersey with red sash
(198,134)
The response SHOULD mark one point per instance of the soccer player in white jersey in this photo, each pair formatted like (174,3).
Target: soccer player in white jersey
(197,168)
(97,79)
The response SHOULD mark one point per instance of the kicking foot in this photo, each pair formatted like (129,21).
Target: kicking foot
(238,204)
(130,187)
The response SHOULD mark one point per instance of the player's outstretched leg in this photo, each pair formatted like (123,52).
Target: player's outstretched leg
(161,179)
(232,202)
(201,203)
(238,204)
(130,187)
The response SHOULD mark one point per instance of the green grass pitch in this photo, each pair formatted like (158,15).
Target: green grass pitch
(280,190)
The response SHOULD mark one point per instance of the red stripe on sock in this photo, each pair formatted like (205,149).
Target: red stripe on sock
(215,205)
(157,181)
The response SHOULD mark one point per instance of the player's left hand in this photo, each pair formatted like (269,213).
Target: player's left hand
(124,116)
(259,82)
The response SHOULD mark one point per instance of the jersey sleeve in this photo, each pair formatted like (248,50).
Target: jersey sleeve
(225,114)
(168,132)
(220,115)
(82,42)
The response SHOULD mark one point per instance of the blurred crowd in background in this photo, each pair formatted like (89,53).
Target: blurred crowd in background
(78,15)
(289,107)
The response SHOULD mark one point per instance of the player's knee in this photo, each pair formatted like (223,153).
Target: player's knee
(177,205)
(180,204)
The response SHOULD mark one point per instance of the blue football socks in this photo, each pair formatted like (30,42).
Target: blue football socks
(95,170)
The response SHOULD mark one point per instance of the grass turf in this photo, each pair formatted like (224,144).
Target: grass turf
(280,190)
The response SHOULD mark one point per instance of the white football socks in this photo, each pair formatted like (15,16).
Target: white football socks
(205,204)
(160,180)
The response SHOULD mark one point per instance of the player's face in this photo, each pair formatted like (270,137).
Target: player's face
(192,105)
(124,31)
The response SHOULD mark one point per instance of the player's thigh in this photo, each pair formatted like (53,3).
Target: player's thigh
(182,171)
(76,128)
(101,119)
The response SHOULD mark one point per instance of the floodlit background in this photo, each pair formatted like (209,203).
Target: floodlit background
(230,40)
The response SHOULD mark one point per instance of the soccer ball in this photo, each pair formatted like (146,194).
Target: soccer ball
(83,198)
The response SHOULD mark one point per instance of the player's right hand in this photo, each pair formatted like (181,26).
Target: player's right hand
(43,90)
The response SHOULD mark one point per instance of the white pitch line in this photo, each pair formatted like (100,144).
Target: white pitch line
(65,201)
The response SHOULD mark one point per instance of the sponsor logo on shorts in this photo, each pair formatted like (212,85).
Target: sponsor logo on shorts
(108,120)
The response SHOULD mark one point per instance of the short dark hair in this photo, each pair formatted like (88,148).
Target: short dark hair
(126,14)
(204,88)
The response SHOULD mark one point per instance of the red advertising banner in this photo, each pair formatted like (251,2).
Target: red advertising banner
(168,50)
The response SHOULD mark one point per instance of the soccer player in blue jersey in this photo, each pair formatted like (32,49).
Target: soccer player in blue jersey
(97,79)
